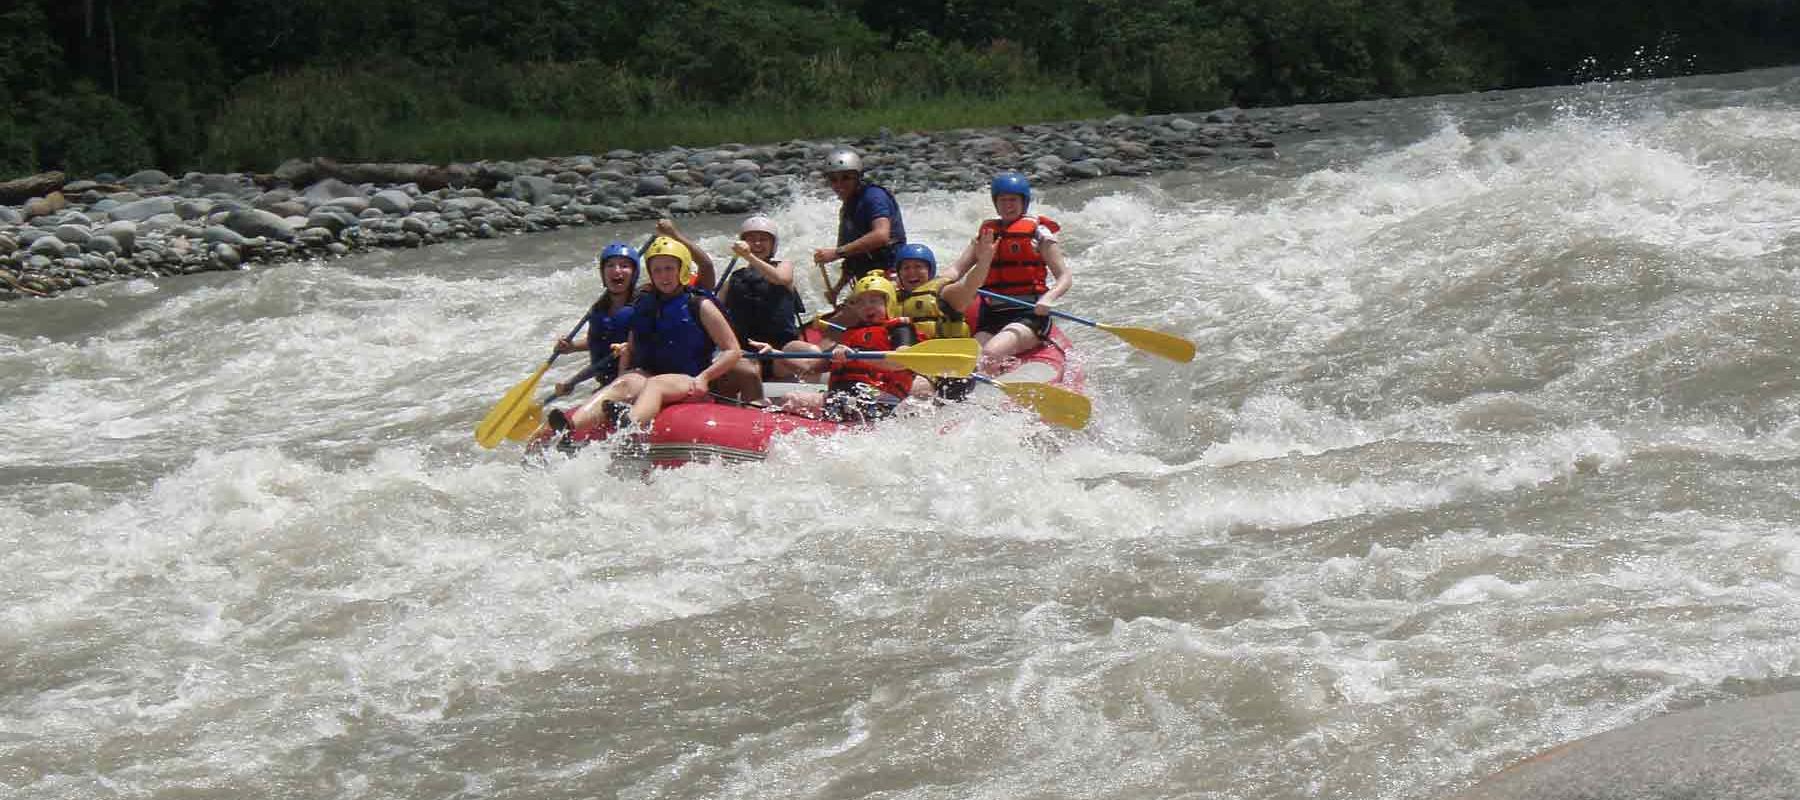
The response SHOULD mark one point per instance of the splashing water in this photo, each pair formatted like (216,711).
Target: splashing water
(1492,443)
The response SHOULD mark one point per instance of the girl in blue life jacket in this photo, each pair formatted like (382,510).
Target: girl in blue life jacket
(680,343)
(609,320)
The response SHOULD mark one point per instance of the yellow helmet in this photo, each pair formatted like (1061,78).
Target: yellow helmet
(665,246)
(877,282)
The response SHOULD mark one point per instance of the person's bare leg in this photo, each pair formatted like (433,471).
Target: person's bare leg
(810,404)
(1010,341)
(743,382)
(660,391)
(623,389)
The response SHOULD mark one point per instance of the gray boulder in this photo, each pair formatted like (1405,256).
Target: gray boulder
(534,189)
(331,218)
(291,208)
(51,247)
(148,178)
(991,147)
(329,189)
(255,222)
(219,234)
(652,185)
(317,237)
(159,222)
(122,231)
(1086,168)
(392,201)
(355,204)
(194,207)
(231,185)
(470,205)
(272,197)
(73,234)
(226,255)
(103,244)
(141,210)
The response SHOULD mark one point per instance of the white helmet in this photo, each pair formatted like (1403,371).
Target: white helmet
(760,224)
(843,161)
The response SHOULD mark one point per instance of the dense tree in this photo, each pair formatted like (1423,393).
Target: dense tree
(108,84)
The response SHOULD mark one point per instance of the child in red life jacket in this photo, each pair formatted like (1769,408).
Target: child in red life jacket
(861,390)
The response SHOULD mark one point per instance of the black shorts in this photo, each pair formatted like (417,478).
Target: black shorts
(953,390)
(996,315)
(858,402)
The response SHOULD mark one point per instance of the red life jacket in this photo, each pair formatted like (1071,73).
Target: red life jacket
(897,382)
(1018,268)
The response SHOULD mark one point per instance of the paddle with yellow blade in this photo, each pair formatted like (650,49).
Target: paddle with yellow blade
(953,358)
(517,416)
(1053,404)
(1167,345)
(516,408)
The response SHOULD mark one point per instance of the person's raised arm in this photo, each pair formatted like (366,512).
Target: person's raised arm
(703,263)
(780,273)
(959,293)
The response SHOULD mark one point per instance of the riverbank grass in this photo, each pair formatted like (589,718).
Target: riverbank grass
(478,135)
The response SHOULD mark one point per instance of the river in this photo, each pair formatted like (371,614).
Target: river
(1493,442)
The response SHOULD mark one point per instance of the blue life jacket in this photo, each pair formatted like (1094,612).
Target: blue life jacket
(670,336)
(606,329)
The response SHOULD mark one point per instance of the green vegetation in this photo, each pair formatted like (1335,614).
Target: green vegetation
(110,85)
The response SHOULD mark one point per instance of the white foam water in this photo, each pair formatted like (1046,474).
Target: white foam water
(1492,442)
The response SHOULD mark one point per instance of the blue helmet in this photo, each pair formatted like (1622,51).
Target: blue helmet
(622,249)
(913,251)
(1011,183)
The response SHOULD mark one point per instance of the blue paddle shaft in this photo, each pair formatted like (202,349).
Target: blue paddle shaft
(860,354)
(1028,304)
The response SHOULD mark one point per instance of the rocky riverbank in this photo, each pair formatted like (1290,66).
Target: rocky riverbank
(61,234)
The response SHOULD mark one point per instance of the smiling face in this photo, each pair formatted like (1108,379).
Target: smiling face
(913,273)
(665,273)
(761,244)
(617,273)
(868,308)
(1009,206)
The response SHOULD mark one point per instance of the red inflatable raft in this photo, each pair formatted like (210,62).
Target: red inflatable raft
(724,431)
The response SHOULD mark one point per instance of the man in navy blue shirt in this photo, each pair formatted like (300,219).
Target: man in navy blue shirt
(869,226)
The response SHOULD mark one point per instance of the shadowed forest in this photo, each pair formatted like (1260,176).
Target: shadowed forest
(89,86)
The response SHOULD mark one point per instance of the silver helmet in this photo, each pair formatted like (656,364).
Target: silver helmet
(759,224)
(845,160)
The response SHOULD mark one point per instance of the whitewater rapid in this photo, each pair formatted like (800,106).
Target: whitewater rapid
(1493,442)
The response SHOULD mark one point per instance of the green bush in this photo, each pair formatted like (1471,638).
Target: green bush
(83,132)
(18,152)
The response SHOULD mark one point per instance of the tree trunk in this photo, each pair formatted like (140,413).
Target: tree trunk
(19,190)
